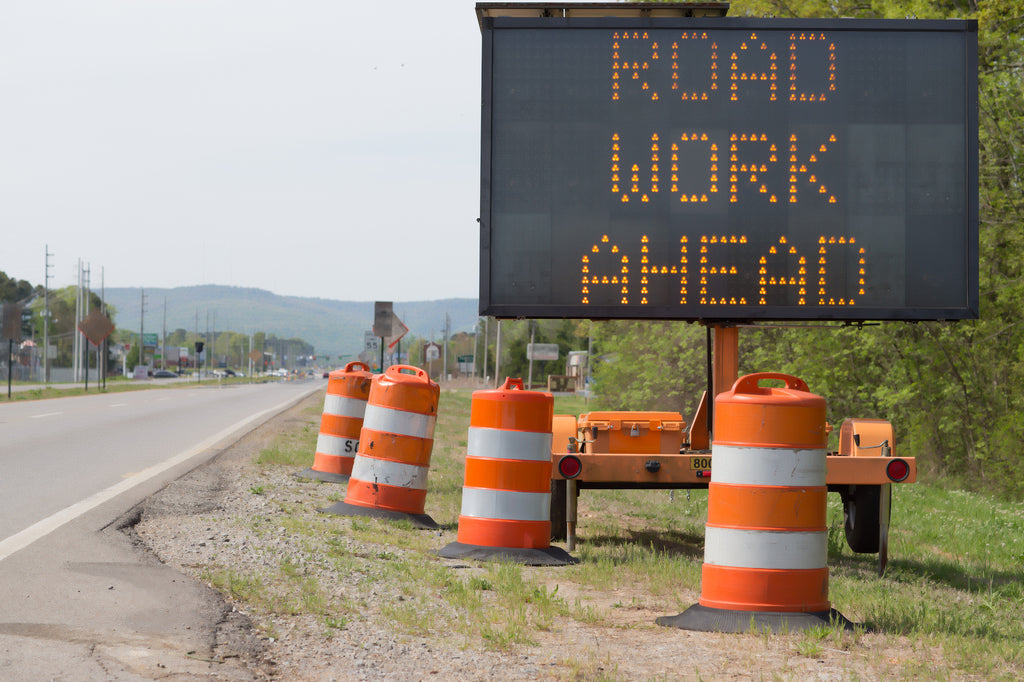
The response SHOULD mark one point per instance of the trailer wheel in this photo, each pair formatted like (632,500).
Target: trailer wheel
(558,510)
(861,513)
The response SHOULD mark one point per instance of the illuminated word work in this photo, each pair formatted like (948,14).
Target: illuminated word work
(721,270)
(722,168)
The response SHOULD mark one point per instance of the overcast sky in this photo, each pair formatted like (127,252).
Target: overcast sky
(309,147)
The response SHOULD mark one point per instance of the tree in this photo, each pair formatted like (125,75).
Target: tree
(14,290)
(954,391)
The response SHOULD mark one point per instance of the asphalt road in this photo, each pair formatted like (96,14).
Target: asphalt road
(78,602)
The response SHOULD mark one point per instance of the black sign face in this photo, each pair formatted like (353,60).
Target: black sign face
(729,169)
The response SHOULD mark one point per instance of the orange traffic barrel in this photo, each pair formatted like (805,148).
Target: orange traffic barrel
(338,440)
(506,499)
(389,474)
(766,538)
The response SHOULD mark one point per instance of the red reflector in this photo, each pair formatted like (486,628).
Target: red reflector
(897,470)
(570,466)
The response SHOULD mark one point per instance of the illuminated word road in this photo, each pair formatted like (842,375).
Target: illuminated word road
(702,169)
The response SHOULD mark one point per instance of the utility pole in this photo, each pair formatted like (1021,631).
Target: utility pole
(163,339)
(85,313)
(101,350)
(209,346)
(46,318)
(447,331)
(142,324)
(199,375)
(75,357)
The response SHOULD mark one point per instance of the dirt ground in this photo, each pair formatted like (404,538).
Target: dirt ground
(202,523)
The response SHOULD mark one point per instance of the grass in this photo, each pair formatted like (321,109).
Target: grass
(955,581)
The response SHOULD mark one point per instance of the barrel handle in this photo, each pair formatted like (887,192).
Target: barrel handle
(750,383)
(399,370)
(511,384)
(356,365)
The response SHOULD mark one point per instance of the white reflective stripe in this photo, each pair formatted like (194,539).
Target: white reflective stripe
(765,548)
(343,406)
(484,503)
(503,444)
(335,445)
(398,421)
(767,466)
(386,472)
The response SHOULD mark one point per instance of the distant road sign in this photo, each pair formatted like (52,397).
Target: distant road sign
(382,317)
(12,322)
(542,351)
(398,330)
(96,326)
(371,342)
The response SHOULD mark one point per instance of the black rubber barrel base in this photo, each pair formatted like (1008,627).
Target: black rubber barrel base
(704,619)
(325,476)
(421,521)
(552,556)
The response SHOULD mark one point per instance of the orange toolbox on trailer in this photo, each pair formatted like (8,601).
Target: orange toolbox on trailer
(638,432)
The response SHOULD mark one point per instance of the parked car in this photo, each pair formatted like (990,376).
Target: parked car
(164,374)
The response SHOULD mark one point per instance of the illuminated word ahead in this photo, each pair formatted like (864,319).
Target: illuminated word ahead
(720,270)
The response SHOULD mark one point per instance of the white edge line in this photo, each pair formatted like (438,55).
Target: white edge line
(40,529)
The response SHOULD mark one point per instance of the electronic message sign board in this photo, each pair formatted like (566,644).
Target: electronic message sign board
(716,168)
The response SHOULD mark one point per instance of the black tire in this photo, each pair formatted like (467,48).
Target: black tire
(861,511)
(558,510)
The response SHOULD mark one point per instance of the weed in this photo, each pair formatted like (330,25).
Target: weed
(956,592)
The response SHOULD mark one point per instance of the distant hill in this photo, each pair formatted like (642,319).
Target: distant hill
(333,327)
